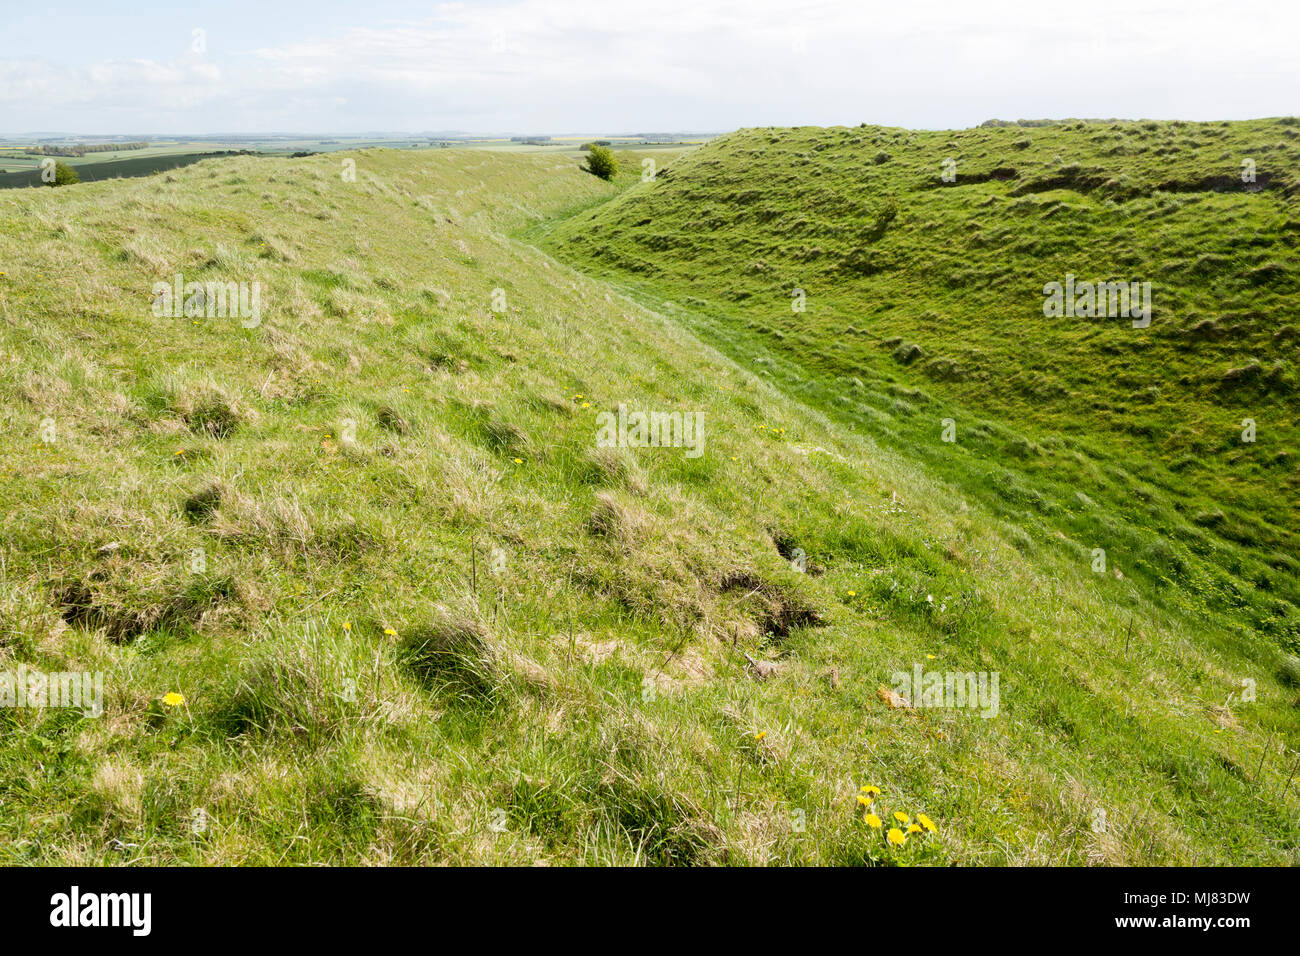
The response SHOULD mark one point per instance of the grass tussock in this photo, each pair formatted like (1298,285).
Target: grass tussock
(454,655)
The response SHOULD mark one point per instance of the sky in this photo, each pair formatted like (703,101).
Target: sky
(627,66)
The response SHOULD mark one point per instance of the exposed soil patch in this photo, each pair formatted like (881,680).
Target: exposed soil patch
(787,548)
(83,604)
(1001,174)
(777,609)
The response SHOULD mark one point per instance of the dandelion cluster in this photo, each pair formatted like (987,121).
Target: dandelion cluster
(906,826)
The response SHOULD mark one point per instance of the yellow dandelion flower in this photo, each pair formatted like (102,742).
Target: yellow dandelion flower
(896,837)
(347,625)
(517,461)
(929,657)
(760,735)
(902,817)
(864,800)
(586,404)
(927,823)
(853,594)
(913,828)
(868,788)
(872,821)
(180,451)
(173,699)
(390,632)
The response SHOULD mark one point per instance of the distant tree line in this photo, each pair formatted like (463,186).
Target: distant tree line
(82,149)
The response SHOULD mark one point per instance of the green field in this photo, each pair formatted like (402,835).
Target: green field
(138,165)
(15,158)
(415,614)
(19,168)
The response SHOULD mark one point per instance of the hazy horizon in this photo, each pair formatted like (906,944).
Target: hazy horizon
(576,133)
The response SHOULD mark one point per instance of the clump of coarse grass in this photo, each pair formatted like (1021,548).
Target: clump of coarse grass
(453,654)
(291,687)
(212,411)
(392,420)
(612,468)
(613,520)
(202,504)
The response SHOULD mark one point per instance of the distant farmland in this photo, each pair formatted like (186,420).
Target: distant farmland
(20,167)
(110,169)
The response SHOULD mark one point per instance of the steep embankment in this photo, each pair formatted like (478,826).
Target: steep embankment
(897,278)
(416,615)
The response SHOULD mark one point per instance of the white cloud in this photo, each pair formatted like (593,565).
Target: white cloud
(552,65)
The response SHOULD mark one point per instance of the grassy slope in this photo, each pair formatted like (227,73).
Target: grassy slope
(1087,432)
(347,468)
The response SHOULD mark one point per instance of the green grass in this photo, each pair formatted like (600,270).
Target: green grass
(19,169)
(1086,431)
(433,623)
